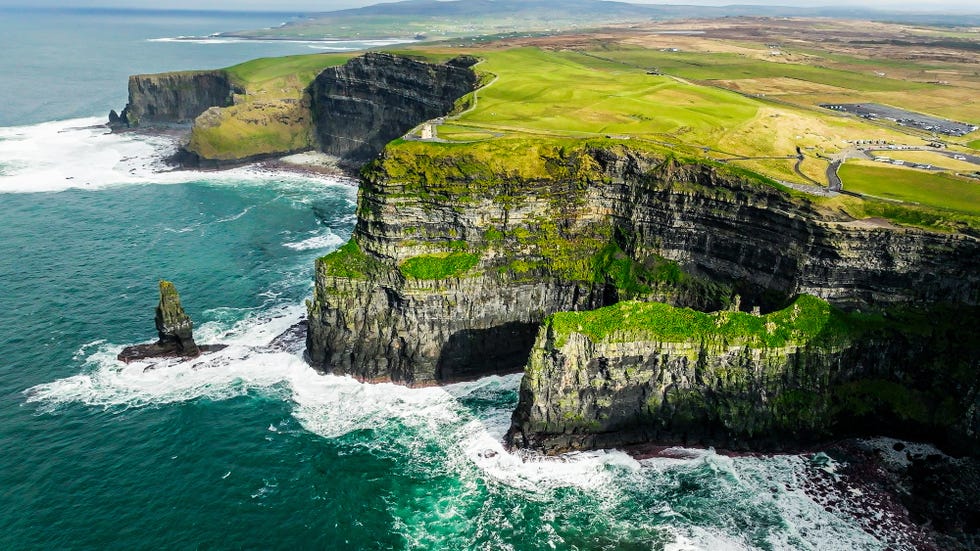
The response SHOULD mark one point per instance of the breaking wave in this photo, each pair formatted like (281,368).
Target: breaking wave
(84,154)
(696,500)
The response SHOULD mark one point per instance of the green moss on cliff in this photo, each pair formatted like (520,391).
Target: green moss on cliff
(465,168)
(807,319)
(438,265)
(634,278)
(348,261)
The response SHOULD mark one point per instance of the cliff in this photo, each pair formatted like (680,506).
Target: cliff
(461,251)
(348,108)
(362,105)
(648,372)
(174,97)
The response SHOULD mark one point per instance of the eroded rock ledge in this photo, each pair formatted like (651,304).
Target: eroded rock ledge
(349,111)
(647,372)
(459,254)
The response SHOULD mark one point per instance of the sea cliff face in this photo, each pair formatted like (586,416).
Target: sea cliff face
(175,97)
(461,252)
(645,372)
(372,99)
(350,111)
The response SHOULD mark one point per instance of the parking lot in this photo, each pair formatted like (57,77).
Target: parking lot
(905,118)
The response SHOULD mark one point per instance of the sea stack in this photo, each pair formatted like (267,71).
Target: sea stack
(174,325)
(175,330)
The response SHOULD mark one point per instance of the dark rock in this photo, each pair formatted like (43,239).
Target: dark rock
(175,331)
(175,98)
(362,105)
(292,340)
(173,325)
(943,493)
(116,120)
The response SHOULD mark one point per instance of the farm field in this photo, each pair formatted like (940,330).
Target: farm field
(914,186)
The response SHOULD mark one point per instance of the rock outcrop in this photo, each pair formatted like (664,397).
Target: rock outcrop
(174,326)
(171,98)
(174,329)
(459,254)
(362,105)
(647,372)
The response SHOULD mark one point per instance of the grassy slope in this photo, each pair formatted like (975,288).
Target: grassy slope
(916,186)
(572,94)
(272,117)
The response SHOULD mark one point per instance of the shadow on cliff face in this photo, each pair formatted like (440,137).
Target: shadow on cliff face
(858,376)
(474,353)
(362,105)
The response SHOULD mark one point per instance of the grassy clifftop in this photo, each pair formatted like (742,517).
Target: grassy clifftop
(272,116)
(806,319)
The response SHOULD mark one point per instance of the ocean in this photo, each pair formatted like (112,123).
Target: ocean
(250,448)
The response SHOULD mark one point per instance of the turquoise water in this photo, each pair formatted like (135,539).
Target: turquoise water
(249,448)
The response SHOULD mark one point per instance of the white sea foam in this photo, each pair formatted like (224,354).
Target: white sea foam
(323,241)
(82,153)
(413,422)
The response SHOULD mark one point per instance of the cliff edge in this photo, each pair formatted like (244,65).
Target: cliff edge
(362,105)
(461,252)
(648,372)
(174,98)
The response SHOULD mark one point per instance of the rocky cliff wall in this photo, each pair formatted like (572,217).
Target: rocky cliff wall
(806,374)
(372,99)
(459,253)
(175,97)
(766,240)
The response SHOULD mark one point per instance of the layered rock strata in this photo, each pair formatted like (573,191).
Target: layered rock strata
(647,372)
(168,98)
(349,111)
(460,253)
(360,106)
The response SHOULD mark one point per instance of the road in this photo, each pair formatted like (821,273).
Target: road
(833,180)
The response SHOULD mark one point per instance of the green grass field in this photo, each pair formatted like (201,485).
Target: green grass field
(298,70)
(571,94)
(728,66)
(913,186)
(975,144)
(807,319)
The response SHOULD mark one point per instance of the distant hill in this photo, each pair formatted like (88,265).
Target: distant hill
(435,19)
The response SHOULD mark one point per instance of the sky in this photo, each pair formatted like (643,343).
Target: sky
(328,5)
